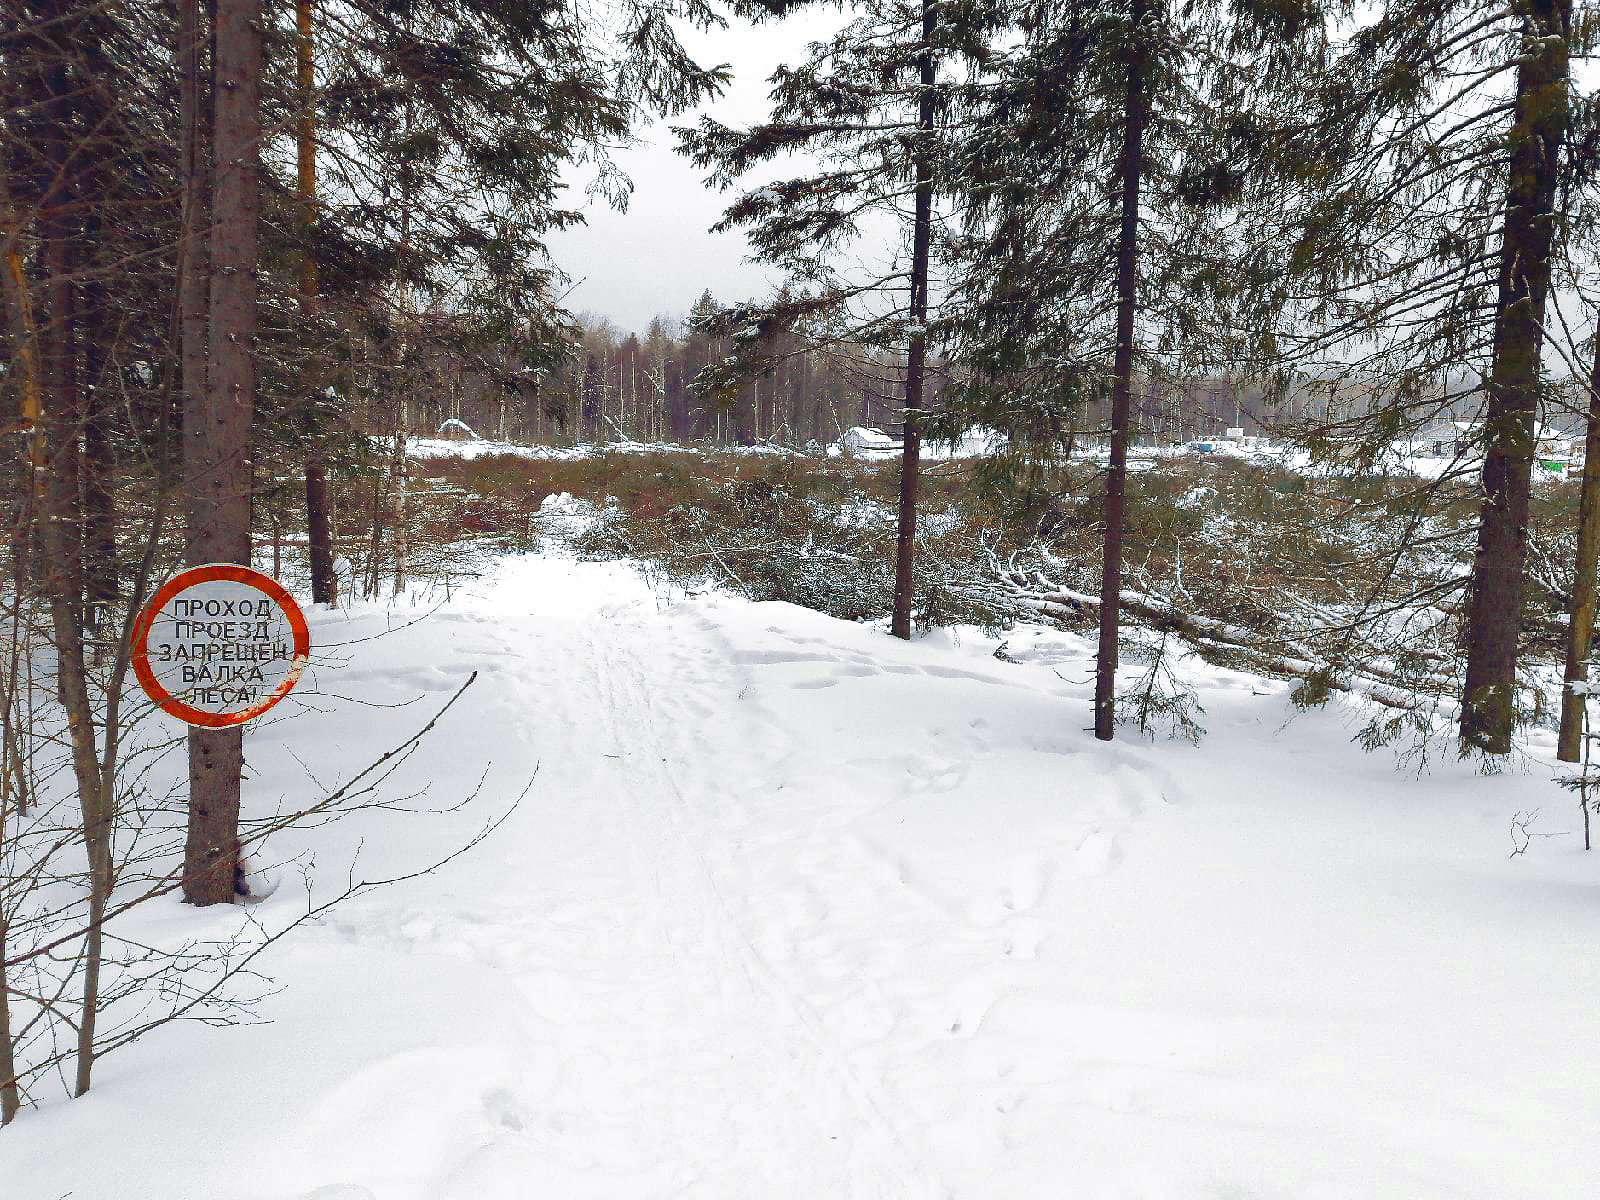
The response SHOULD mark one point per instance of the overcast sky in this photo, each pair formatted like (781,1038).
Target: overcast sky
(658,256)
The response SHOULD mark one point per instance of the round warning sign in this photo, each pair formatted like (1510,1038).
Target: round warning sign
(220,644)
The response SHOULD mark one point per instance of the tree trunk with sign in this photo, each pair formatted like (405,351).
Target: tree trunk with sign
(217,460)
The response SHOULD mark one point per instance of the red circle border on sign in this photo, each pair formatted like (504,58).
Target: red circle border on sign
(212,573)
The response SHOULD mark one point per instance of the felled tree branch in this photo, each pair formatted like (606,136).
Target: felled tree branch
(1033,592)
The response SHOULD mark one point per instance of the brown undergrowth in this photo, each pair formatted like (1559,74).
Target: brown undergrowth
(1244,561)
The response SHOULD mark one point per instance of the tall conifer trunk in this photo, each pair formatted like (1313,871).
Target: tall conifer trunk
(63,416)
(1488,710)
(219,518)
(917,351)
(60,506)
(99,457)
(1569,744)
(1135,115)
(194,236)
(319,533)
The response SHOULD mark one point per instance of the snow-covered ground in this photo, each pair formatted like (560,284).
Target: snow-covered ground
(476,447)
(796,911)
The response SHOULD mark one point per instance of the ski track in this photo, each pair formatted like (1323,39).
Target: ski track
(757,1047)
(724,895)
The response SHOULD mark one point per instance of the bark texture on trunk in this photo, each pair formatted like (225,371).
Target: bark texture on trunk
(1488,706)
(917,351)
(220,526)
(193,258)
(219,519)
(1135,115)
(324,582)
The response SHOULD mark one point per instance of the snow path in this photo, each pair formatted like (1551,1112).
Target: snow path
(625,949)
(793,911)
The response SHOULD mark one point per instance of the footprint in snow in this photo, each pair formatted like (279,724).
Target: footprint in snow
(1051,744)
(503,1111)
(1116,1095)
(1009,1101)
(970,1005)
(925,776)
(1023,936)
(937,779)
(1146,787)
(933,776)
(1026,886)
(768,658)
(1098,852)
(957,673)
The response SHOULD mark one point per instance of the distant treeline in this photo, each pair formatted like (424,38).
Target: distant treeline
(613,386)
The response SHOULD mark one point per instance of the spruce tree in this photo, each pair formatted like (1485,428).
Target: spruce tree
(869,105)
(1095,251)
(458,120)
(1422,223)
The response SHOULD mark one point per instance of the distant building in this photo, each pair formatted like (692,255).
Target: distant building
(859,439)
(1463,439)
(457,430)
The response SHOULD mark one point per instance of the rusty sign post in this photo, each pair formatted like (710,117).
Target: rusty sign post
(220,644)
